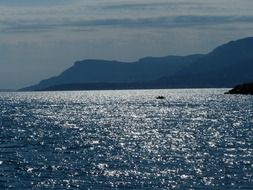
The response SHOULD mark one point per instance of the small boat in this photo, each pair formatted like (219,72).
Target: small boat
(160,97)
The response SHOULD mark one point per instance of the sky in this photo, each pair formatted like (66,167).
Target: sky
(42,38)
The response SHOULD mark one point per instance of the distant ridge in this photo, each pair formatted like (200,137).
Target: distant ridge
(103,71)
(226,66)
(7,90)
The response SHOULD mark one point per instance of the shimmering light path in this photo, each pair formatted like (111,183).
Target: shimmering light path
(194,139)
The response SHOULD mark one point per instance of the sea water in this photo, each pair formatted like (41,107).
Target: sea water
(193,139)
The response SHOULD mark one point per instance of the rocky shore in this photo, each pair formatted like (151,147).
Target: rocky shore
(242,89)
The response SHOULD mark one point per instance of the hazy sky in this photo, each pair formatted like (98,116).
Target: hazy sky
(41,38)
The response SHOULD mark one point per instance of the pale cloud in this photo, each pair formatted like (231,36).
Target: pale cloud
(74,14)
(127,23)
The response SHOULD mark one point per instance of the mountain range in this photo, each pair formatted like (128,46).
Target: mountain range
(226,66)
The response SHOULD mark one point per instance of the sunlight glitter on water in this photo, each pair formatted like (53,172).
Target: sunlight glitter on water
(126,140)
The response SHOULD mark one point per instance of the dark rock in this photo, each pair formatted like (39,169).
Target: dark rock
(242,89)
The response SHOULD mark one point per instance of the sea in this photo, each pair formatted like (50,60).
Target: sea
(126,139)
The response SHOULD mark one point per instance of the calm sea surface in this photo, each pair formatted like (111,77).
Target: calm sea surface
(194,139)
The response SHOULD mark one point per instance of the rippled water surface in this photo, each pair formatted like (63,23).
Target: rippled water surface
(194,139)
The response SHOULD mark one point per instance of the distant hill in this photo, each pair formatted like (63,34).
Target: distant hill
(225,66)
(102,71)
(7,90)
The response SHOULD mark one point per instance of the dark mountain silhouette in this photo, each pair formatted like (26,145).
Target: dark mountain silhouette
(101,71)
(226,66)
(99,86)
